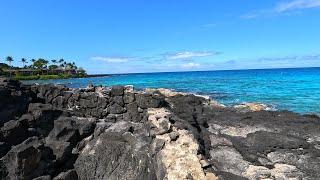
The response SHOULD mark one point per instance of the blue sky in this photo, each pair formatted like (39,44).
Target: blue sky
(122,36)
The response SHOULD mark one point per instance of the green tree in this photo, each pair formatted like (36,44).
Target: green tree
(9,59)
(24,61)
(53,67)
(81,72)
(41,64)
(61,61)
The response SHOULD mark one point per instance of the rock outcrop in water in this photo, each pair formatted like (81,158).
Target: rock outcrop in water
(53,132)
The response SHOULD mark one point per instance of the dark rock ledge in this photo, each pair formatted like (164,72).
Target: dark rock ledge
(53,132)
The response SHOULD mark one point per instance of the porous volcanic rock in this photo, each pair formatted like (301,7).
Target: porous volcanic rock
(54,132)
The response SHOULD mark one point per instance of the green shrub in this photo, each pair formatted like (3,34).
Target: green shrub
(46,77)
(65,76)
(33,77)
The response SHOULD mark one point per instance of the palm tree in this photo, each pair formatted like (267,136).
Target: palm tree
(10,59)
(54,62)
(32,65)
(61,61)
(65,66)
(33,61)
(45,63)
(24,61)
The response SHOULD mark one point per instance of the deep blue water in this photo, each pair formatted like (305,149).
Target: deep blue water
(296,89)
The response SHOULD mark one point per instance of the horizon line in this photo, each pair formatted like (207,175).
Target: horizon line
(208,70)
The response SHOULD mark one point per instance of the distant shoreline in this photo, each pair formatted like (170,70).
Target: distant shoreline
(218,70)
(97,75)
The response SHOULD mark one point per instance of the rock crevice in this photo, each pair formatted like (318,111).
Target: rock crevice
(54,132)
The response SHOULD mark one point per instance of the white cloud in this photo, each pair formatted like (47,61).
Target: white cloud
(112,59)
(297,4)
(190,65)
(283,8)
(187,55)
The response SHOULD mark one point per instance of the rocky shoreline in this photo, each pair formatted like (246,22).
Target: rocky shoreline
(53,132)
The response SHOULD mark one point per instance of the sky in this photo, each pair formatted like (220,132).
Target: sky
(133,36)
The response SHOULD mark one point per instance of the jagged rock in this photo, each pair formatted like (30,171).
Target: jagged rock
(87,103)
(176,153)
(145,100)
(121,152)
(256,144)
(102,102)
(117,91)
(116,109)
(48,177)
(128,97)
(132,113)
(14,132)
(22,161)
(58,102)
(118,100)
(119,133)
(69,175)
(14,101)
(4,148)
(44,116)
(67,132)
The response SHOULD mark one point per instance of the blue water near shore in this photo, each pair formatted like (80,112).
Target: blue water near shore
(295,89)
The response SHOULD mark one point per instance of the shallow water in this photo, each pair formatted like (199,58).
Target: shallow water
(296,89)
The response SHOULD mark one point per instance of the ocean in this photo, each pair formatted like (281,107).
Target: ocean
(295,89)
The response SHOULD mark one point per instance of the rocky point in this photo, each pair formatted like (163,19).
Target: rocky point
(54,132)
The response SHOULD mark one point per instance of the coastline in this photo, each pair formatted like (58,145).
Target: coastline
(148,132)
(281,89)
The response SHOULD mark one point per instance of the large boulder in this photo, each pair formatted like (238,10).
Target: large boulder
(65,135)
(121,152)
(14,132)
(147,100)
(117,91)
(14,100)
(44,116)
(22,161)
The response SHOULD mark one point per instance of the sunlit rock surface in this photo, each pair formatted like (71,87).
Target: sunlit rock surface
(54,132)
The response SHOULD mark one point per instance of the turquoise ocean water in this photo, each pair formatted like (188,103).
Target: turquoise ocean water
(295,89)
